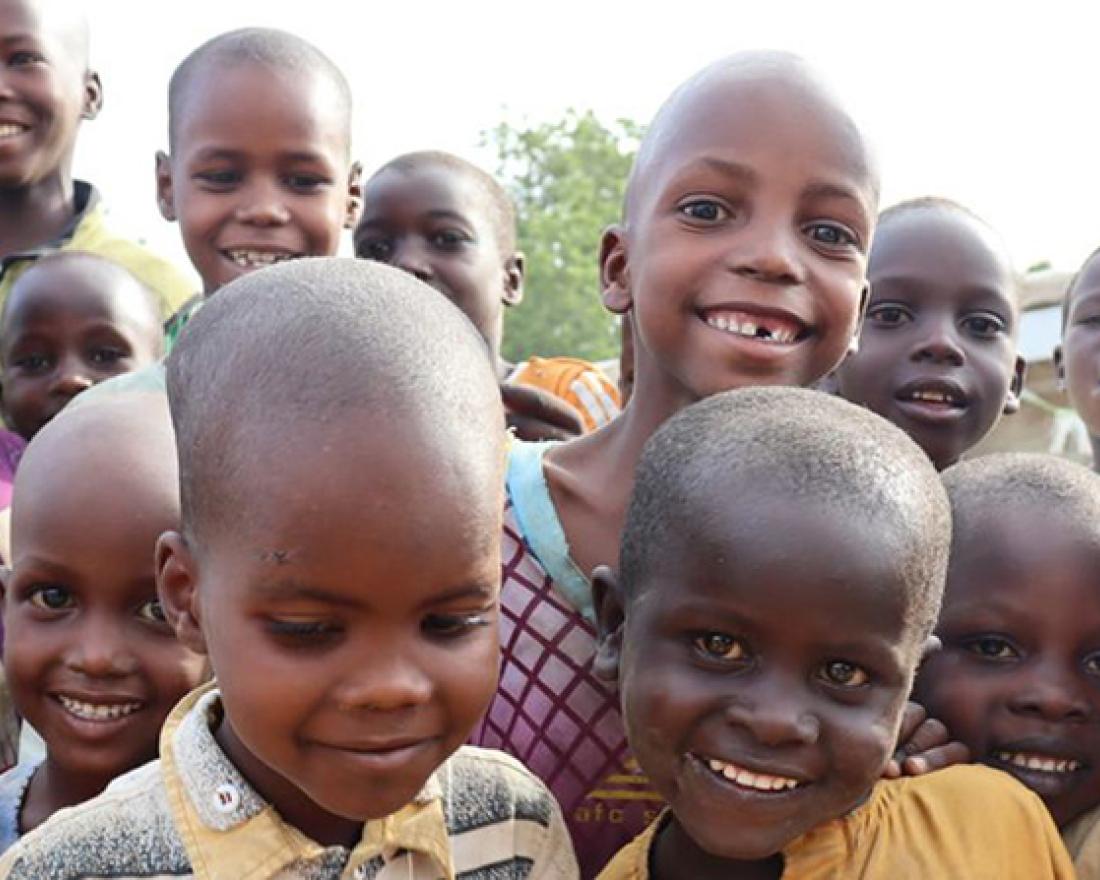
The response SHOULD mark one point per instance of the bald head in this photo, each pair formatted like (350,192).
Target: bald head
(285,358)
(774,92)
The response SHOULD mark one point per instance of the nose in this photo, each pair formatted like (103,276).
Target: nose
(71,377)
(385,684)
(939,342)
(411,256)
(262,204)
(766,250)
(1051,693)
(99,650)
(776,717)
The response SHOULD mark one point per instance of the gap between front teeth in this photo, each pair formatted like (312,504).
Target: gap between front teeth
(1037,762)
(750,329)
(255,259)
(748,779)
(92,712)
(932,397)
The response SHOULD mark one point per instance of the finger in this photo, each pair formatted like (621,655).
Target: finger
(936,759)
(931,734)
(541,406)
(532,429)
(912,716)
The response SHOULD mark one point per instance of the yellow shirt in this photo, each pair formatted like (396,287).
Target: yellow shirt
(1082,839)
(963,823)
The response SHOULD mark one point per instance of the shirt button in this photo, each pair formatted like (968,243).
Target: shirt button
(361,872)
(226,798)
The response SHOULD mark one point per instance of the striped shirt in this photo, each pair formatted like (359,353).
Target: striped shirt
(481,816)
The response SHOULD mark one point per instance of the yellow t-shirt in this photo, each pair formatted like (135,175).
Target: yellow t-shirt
(963,823)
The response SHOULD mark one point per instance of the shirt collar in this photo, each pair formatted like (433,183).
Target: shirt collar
(231,831)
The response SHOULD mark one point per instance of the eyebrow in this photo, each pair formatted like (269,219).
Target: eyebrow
(435,215)
(291,590)
(823,189)
(729,169)
(208,153)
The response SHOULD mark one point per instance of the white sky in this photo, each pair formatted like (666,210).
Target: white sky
(996,108)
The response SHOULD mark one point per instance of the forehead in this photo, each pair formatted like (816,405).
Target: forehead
(426,188)
(83,289)
(256,107)
(780,128)
(1088,281)
(48,20)
(942,247)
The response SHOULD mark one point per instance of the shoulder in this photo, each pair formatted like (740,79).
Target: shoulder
(632,861)
(481,786)
(126,831)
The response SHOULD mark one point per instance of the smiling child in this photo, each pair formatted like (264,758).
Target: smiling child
(1018,679)
(339,565)
(763,723)
(89,657)
(937,352)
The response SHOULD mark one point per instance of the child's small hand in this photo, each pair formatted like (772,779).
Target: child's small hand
(535,414)
(924,745)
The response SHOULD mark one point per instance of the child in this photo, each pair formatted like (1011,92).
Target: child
(48,89)
(454,227)
(937,352)
(1078,357)
(89,658)
(741,264)
(340,571)
(1018,679)
(764,652)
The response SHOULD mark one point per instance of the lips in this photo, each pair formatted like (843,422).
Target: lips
(766,325)
(12,129)
(944,394)
(98,708)
(1047,766)
(249,258)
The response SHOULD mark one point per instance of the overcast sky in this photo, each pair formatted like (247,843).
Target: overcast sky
(996,108)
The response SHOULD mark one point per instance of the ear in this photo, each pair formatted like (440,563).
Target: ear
(1016,388)
(166,200)
(355,195)
(177,588)
(515,268)
(1060,366)
(864,301)
(610,619)
(615,271)
(93,95)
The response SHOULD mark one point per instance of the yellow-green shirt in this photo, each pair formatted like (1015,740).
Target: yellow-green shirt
(963,823)
(89,232)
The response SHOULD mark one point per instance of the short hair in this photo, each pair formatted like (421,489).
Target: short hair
(985,487)
(299,345)
(1067,297)
(801,444)
(502,211)
(268,46)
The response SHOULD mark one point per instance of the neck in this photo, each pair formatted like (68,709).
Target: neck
(31,216)
(675,855)
(53,788)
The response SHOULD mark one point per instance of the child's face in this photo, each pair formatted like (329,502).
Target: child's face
(1080,355)
(90,661)
(259,172)
(937,354)
(434,223)
(765,663)
(44,90)
(70,326)
(744,264)
(1018,679)
(370,594)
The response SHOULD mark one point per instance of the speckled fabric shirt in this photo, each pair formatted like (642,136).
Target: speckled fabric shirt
(191,814)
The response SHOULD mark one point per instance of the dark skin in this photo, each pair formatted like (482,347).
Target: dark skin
(1018,679)
(937,353)
(45,91)
(1078,357)
(717,676)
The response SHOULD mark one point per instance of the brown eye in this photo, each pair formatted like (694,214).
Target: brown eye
(51,598)
(843,674)
(719,646)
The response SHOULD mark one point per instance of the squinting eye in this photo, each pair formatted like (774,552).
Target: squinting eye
(106,356)
(844,674)
(152,611)
(720,646)
(453,624)
(992,648)
(51,598)
(379,249)
(705,210)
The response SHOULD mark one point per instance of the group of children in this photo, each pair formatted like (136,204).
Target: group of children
(285,599)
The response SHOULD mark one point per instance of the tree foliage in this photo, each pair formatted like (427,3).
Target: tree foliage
(567,179)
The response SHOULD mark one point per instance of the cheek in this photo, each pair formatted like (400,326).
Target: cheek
(467,681)
(172,669)
(959,697)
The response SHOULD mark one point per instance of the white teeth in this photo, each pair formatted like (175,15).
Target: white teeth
(8,129)
(751,329)
(257,259)
(748,779)
(930,396)
(1038,762)
(93,712)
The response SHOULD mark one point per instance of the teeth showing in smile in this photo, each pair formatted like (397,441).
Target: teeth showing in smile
(748,779)
(1028,761)
(10,129)
(258,259)
(92,712)
(764,329)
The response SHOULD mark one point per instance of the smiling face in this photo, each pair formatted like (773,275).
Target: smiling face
(435,223)
(370,594)
(71,321)
(1081,346)
(259,170)
(744,264)
(937,354)
(754,723)
(88,656)
(45,89)
(1018,679)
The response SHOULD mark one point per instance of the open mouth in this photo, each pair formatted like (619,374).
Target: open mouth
(771,328)
(933,394)
(11,129)
(1036,762)
(750,780)
(247,258)
(86,711)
